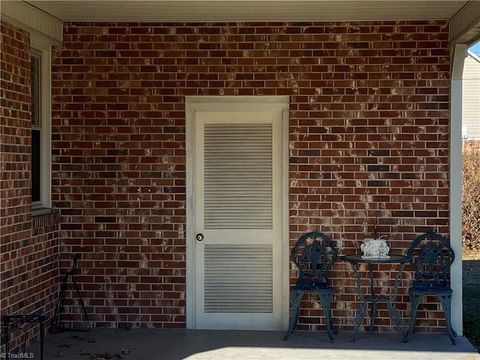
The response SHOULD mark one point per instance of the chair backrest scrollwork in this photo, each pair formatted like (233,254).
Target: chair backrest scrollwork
(431,257)
(314,254)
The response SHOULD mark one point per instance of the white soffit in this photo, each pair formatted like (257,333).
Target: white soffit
(248,10)
(465,25)
(33,20)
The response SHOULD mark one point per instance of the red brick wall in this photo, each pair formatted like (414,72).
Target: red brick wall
(28,246)
(368,143)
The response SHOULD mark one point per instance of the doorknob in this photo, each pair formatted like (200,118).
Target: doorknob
(199,237)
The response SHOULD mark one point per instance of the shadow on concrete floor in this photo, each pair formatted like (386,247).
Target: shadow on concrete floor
(143,344)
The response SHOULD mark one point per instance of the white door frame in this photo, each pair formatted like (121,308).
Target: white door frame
(226,103)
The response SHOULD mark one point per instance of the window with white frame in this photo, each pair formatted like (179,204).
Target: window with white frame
(36,128)
(40,126)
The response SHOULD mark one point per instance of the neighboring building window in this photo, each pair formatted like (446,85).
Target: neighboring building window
(36,129)
(40,126)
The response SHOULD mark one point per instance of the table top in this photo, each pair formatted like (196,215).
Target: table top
(393,259)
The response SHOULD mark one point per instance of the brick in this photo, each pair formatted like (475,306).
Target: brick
(366,102)
(28,245)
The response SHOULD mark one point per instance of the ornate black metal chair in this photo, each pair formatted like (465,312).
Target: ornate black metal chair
(313,255)
(431,256)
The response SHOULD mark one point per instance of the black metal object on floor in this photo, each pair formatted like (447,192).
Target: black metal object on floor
(57,324)
(15,320)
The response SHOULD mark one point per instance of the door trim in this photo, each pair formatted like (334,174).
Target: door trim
(232,103)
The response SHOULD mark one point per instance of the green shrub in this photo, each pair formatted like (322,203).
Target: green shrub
(471,199)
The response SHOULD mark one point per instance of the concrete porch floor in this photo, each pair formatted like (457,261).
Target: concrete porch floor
(140,344)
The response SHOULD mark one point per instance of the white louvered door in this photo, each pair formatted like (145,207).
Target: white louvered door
(237,207)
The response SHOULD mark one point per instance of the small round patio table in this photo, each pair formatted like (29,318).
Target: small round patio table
(374,298)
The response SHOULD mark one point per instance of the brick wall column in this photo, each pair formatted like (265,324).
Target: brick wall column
(28,246)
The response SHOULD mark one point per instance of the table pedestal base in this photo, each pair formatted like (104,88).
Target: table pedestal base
(374,299)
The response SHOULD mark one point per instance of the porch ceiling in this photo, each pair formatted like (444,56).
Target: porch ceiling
(248,10)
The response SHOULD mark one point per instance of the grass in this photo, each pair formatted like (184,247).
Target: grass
(471,298)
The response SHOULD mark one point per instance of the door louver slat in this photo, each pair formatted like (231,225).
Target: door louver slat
(238,279)
(238,176)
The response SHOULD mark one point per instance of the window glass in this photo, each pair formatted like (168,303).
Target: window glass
(35,165)
(36,111)
(36,129)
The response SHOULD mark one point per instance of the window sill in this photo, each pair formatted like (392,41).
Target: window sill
(43,218)
(43,211)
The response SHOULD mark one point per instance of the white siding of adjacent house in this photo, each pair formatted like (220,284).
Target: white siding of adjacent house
(471,98)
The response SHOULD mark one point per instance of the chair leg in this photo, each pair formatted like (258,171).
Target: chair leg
(326,300)
(414,302)
(333,327)
(295,299)
(446,301)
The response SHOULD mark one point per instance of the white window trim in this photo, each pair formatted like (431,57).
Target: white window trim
(41,45)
